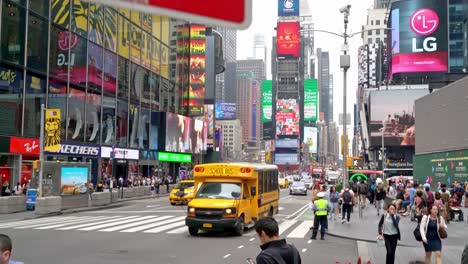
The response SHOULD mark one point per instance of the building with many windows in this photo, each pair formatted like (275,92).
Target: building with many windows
(231,139)
(107,71)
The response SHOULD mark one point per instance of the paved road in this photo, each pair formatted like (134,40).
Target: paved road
(153,231)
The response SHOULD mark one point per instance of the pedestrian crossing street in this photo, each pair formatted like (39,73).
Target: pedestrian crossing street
(149,224)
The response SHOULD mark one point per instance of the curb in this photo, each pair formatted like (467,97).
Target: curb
(363,239)
(116,204)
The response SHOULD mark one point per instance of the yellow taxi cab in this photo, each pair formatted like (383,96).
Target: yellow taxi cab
(188,188)
(232,196)
(283,182)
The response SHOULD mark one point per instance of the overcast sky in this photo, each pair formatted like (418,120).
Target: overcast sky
(326,16)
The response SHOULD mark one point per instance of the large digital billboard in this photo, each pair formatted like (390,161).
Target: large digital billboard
(310,138)
(197,69)
(179,131)
(419,36)
(286,158)
(199,136)
(288,39)
(287,117)
(287,143)
(225,111)
(310,100)
(74,180)
(392,114)
(288,8)
(267,100)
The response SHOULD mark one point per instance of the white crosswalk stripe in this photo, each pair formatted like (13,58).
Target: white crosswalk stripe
(154,219)
(147,224)
(301,229)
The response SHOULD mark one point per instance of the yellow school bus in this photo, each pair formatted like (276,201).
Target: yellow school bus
(232,196)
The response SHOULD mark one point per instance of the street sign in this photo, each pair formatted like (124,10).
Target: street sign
(233,13)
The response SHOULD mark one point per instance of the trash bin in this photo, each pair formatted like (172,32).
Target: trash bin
(31,197)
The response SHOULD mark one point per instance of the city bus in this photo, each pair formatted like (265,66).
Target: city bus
(232,196)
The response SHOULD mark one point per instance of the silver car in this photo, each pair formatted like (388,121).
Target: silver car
(298,187)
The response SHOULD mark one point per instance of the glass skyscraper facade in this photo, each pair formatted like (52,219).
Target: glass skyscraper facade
(457,27)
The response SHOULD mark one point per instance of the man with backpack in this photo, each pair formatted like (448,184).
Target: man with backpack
(346,196)
(274,249)
(363,189)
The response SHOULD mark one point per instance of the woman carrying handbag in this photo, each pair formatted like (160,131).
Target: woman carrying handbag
(433,229)
(390,232)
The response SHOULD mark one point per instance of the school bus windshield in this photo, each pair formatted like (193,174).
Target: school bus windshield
(219,190)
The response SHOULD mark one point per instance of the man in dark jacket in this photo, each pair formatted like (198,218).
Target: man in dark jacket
(274,249)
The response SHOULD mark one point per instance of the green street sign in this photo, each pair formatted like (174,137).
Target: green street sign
(358,177)
(267,100)
(310,99)
(174,157)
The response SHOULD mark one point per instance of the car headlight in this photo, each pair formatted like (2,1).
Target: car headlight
(230,211)
(191,210)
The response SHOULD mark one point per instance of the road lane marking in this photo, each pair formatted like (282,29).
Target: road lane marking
(148,226)
(49,223)
(34,221)
(164,228)
(98,223)
(138,212)
(285,225)
(310,241)
(180,230)
(289,196)
(72,222)
(154,219)
(300,209)
(280,208)
(301,213)
(304,250)
(90,228)
(241,246)
(226,256)
(301,230)
(252,239)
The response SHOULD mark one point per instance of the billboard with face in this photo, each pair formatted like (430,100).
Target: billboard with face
(288,39)
(179,130)
(392,114)
(287,117)
(419,36)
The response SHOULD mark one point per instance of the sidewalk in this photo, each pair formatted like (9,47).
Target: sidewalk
(118,203)
(365,230)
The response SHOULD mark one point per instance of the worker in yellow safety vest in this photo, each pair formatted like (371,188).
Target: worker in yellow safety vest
(320,209)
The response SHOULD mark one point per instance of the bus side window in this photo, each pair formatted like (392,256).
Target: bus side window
(270,181)
(260,182)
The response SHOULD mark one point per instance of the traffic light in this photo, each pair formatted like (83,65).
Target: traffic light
(37,165)
(349,162)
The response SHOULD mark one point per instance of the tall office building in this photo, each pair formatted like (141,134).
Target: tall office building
(256,66)
(230,83)
(324,84)
(244,102)
(383,3)
(375,21)
(230,55)
(331,112)
(231,139)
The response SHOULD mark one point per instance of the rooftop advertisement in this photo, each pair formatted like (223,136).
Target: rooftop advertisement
(287,117)
(225,111)
(267,100)
(288,8)
(310,100)
(288,39)
(392,114)
(197,69)
(419,36)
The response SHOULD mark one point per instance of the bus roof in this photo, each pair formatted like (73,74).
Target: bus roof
(235,170)
(257,166)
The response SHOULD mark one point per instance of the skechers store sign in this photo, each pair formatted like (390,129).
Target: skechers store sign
(77,150)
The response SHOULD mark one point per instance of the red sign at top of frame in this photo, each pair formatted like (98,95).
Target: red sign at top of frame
(288,40)
(232,13)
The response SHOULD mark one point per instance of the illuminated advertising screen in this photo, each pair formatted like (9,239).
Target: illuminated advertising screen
(288,39)
(197,69)
(287,117)
(179,130)
(286,158)
(267,100)
(288,8)
(225,111)
(74,180)
(199,136)
(392,113)
(208,120)
(419,36)
(287,143)
(310,100)
(310,138)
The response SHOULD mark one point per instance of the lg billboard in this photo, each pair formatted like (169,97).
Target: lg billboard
(288,41)
(419,41)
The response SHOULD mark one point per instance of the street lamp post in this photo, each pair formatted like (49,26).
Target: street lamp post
(345,63)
